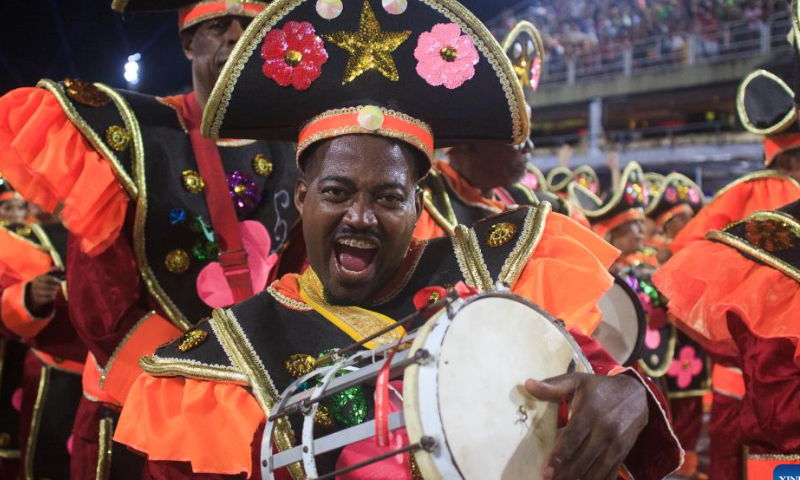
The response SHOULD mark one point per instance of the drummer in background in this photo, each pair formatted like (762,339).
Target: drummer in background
(674,201)
(738,294)
(198,412)
(767,108)
(653,236)
(463,187)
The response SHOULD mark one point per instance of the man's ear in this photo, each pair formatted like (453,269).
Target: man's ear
(187,43)
(300,191)
(418,201)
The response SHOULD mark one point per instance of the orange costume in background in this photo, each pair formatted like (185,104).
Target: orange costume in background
(738,294)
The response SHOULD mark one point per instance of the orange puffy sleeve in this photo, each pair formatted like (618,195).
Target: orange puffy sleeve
(568,273)
(45,157)
(207,424)
(706,280)
(20,260)
(769,193)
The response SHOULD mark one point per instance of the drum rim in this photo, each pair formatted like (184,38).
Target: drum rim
(410,389)
(641,318)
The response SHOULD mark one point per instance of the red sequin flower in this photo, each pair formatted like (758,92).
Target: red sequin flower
(293,55)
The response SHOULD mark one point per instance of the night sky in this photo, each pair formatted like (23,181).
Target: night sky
(86,39)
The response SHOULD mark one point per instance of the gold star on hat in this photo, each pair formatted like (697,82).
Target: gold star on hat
(370,47)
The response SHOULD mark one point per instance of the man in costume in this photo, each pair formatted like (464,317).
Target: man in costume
(766,107)
(34,313)
(165,225)
(361,164)
(738,293)
(467,188)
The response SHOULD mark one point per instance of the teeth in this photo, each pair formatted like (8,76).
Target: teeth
(357,243)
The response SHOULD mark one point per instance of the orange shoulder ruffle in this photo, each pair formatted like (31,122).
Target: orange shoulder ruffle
(708,279)
(568,273)
(20,260)
(208,424)
(45,157)
(769,193)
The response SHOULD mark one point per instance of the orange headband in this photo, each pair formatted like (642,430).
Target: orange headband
(774,145)
(207,10)
(676,210)
(367,120)
(8,196)
(604,227)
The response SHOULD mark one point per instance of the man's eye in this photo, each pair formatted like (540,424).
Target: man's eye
(333,192)
(392,199)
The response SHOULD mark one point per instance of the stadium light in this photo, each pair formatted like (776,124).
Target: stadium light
(132,69)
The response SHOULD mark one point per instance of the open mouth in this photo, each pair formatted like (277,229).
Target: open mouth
(354,256)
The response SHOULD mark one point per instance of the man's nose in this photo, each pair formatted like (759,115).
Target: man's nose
(234,32)
(361,215)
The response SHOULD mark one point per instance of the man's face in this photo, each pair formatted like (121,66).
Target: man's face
(209,44)
(13,211)
(675,224)
(628,237)
(359,206)
(489,165)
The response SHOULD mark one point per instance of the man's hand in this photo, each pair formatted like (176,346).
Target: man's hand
(608,413)
(42,293)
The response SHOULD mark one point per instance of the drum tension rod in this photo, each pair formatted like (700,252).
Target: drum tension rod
(420,356)
(426,443)
(446,302)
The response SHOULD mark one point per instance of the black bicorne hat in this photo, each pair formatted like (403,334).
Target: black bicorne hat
(766,107)
(426,72)
(653,180)
(627,202)
(558,179)
(676,194)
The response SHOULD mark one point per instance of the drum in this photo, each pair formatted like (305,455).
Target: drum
(465,407)
(624,323)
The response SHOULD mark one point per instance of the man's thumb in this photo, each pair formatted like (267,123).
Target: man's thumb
(555,388)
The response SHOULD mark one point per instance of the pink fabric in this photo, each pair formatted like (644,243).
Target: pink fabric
(212,287)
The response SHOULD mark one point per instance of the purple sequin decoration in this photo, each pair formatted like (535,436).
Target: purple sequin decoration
(244,192)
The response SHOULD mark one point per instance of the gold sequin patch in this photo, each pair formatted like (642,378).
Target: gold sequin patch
(370,47)
(177,261)
(192,339)
(262,165)
(5,439)
(23,230)
(323,418)
(300,364)
(85,93)
(117,138)
(434,297)
(500,233)
(770,235)
(192,181)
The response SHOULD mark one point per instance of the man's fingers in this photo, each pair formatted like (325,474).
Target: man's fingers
(570,441)
(555,388)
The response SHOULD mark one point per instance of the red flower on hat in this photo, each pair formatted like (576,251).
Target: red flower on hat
(445,56)
(432,294)
(293,55)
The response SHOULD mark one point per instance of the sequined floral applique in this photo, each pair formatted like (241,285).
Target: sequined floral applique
(293,55)
(445,56)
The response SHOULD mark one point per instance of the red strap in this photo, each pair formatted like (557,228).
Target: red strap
(232,256)
(382,399)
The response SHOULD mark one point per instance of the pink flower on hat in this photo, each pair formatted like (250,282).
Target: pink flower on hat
(293,55)
(445,56)
(685,367)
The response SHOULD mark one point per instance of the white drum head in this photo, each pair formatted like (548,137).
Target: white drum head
(623,327)
(473,393)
